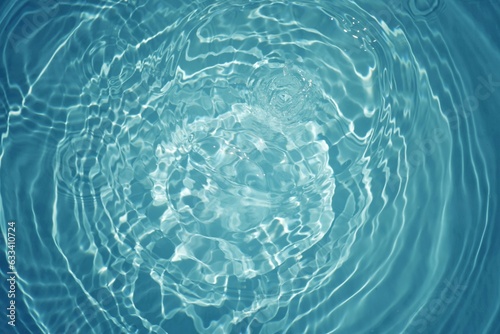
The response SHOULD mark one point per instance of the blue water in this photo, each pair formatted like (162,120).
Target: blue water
(250,166)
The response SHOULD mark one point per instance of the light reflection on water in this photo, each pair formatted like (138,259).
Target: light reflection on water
(262,167)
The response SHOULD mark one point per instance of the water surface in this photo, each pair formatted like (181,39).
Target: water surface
(251,166)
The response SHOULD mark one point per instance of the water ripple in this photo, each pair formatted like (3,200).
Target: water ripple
(244,167)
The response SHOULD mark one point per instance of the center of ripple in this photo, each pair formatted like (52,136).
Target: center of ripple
(240,197)
(283,94)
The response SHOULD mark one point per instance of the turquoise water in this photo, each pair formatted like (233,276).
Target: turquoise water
(250,166)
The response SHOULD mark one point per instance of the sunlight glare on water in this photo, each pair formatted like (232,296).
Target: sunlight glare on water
(250,166)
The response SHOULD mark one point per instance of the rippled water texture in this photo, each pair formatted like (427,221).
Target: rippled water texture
(251,166)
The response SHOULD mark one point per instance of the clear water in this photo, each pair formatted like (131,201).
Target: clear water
(250,166)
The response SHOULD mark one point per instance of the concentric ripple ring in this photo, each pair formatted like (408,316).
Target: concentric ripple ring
(250,166)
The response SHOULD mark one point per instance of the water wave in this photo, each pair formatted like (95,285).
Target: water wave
(257,167)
